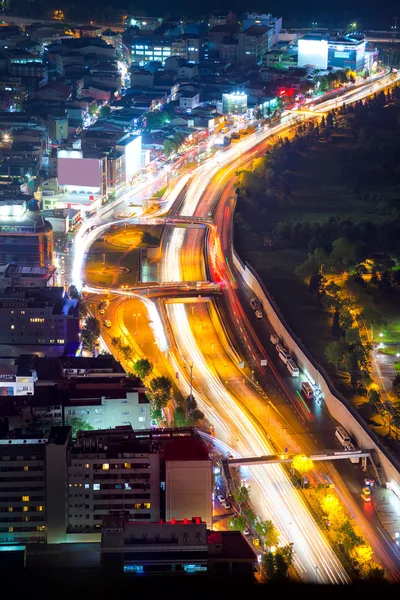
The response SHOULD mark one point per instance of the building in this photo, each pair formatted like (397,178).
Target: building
(14,275)
(234,103)
(104,472)
(143,23)
(254,42)
(26,237)
(150,48)
(189,99)
(33,487)
(189,47)
(38,316)
(58,219)
(15,379)
(265,20)
(321,51)
(221,17)
(188,480)
(183,548)
(347,52)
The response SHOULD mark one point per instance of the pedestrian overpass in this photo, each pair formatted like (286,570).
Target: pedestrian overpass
(271,459)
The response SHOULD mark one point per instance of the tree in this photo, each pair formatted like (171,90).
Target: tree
(142,368)
(268,532)
(374,397)
(348,537)
(73,292)
(343,254)
(238,523)
(241,495)
(83,311)
(127,352)
(336,329)
(361,555)
(196,415)
(250,516)
(375,573)
(179,417)
(337,353)
(302,464)
(91,331)
(334,511)
(78,424)
(276,565)
(160,392)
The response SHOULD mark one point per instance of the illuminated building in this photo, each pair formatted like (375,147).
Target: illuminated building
(266,20)
(150,48)
(143,23)
(25,237)
(321,51)
(38,316)
(234,103)
(105,472)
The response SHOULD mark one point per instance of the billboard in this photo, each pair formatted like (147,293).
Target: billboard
(313,52)
(133,158)
(74,170)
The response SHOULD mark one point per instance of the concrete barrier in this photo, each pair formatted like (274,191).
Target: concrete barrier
(338,406)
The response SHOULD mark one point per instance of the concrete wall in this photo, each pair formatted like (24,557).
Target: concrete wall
(189,490)
(338,406)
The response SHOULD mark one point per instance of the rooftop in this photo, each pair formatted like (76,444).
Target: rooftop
(185,449)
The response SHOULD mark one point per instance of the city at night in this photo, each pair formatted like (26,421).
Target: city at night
(199,297)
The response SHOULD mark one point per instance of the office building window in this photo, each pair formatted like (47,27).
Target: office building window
(105,466)
(25,498)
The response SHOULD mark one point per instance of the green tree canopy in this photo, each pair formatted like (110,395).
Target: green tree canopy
(142,368)
(160,392)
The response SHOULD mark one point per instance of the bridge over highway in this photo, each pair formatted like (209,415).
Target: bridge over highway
(271,459)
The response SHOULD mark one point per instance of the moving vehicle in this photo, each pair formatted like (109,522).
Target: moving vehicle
(254,303)
(226,505)
(107,323)
(282,353)
(342,436)
(259,314)
(307,390)
(274,339)
(102,311)
(66,250)
(366,494)
(220,498)
(104,304)
(292,368)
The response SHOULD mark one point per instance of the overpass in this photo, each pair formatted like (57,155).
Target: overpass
(272,459)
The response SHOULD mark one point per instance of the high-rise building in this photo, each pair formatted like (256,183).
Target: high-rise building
(254,42)
(25,237)
(147,474)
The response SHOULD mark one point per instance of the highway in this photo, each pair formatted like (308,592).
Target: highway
(214,337)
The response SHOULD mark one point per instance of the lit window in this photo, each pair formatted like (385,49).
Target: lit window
(87,466)
(25,508)
(10,509)
(137,506)
(26,519)
(11,529)
(105,466)
(96,486)
(25,498)
(127,465)
(39,508)
(12,326)
(26,468)
(147,505)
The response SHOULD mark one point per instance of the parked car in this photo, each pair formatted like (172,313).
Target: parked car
(226,505)
(107,323)
(220,498)
(102,311)
(246,531)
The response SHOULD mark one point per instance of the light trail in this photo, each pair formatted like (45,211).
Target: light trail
(280,500)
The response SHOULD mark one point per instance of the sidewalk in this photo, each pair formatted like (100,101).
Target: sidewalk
(387,506)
